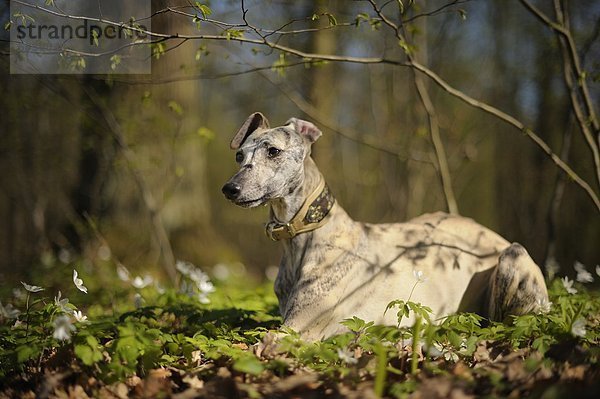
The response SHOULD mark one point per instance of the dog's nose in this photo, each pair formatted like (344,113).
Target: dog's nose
(231,190)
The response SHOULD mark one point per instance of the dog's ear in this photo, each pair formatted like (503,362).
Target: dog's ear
(305,129)
(254,121)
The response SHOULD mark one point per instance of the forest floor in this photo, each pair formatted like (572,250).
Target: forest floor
(128,337)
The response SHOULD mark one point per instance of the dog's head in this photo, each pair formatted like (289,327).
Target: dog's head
(271,160)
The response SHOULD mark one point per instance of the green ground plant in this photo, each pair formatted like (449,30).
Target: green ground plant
(141,340)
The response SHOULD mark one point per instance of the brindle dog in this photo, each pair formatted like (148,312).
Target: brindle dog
(334,268)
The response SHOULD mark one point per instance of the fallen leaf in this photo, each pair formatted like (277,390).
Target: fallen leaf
(573,373)
(193,381)
(133,381)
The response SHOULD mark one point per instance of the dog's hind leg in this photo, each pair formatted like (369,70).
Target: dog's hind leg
(516,286)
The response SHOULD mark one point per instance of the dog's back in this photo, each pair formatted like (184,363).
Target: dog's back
(334,268)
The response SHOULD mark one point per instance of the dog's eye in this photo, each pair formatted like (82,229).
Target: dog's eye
(273,152)
(239,157)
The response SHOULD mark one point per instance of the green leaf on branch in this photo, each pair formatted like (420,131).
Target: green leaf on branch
(280,65)
(204,9)
(332,19)
(115,61)
(175,107)
(234,34)
(158,49)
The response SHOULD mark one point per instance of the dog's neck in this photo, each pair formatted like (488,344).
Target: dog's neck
(284,209)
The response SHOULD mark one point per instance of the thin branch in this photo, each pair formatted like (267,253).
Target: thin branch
(434,12)
(574,78)
(561,29)
(349,134)
(160,233)
(370,60)
(557,196)
(438,146)
(434,127)
(515,123)
(173,79)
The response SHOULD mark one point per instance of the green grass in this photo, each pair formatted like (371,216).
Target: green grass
(157,342)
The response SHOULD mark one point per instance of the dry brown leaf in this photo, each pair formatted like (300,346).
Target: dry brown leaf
(515,371)
(266,348)
(193,381)
(106,393)
(482,353)
(118,390)
(223,372)
(133,381)
(364,390)
(77,392)
(160,373)
(293,382)
(441,388)
(463,371)
(573,372)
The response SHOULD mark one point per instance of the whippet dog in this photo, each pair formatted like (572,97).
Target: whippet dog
(334,268)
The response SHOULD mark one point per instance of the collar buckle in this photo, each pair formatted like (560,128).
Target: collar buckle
(277,231)
(313,214)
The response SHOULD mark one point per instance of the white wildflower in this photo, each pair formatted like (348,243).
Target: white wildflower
(419,276)
(568,284)
(32,288)
(184,267)
(79,282)
(159,288)
(450,356)
(578,327)
(435,350)
(123,273)
(583,276)
(203,298)
(61,303)
(598,270)
(19,294)
(139,282)
(104,252)
(552,267)
(205,286)
(221,271)
(197,357)
(202,282)
(8,311)
(79,316)
(544,305)
(63,327)
(346,356)
(64,256)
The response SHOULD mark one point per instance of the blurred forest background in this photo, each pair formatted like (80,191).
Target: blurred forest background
(131,167)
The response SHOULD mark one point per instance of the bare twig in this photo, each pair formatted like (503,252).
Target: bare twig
(515,123)
(311,57)
(434,12)
(438,146)
(557,196)
(158,229)
(434,127)
(349,134)
(574,77)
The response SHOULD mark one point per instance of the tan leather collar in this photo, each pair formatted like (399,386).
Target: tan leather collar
(313,214)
